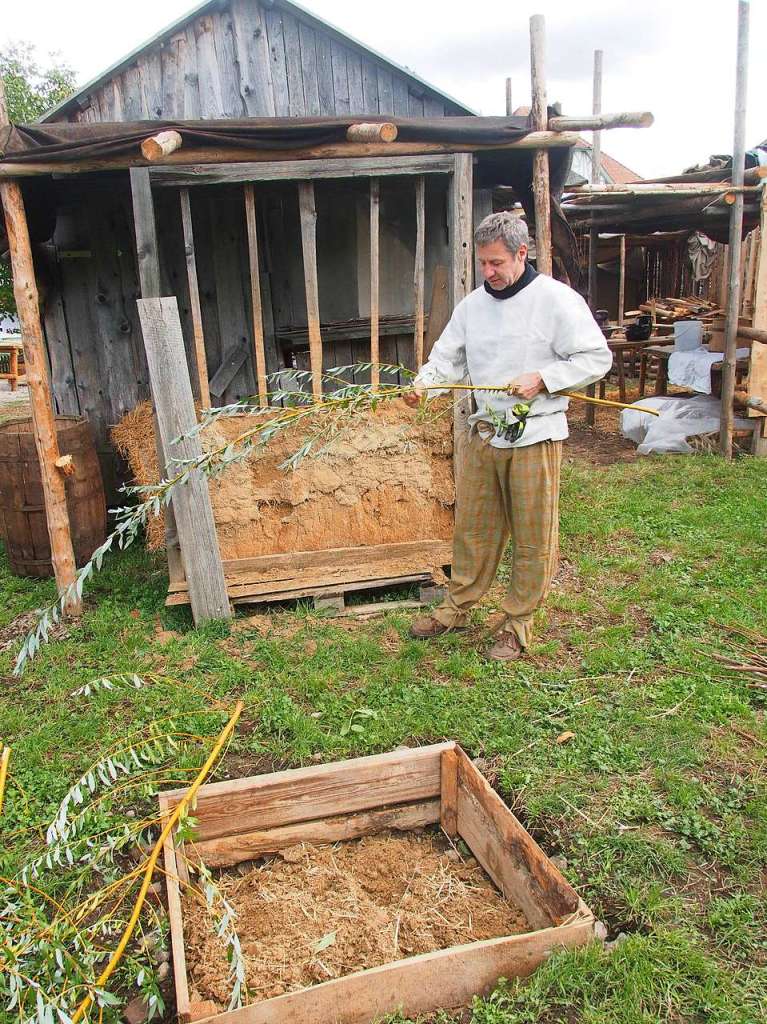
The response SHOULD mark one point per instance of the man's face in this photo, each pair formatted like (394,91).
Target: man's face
(500,268)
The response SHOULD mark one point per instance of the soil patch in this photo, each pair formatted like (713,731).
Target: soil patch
(313,913)
(384,478)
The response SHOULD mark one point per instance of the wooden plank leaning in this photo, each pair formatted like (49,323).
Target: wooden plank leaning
(308,213)
(194,298)
(419,272)
(174,405)
(375,219)
(43,421)
(255,294)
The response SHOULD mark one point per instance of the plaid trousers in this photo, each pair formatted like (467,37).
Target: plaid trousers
(502,492)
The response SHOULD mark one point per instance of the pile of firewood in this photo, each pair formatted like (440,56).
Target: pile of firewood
(669,310)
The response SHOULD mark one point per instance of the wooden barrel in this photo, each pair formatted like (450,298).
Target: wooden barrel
(22,508)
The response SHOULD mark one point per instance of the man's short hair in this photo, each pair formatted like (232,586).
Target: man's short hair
(504,227)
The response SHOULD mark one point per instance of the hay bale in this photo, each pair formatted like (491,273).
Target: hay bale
(386,479)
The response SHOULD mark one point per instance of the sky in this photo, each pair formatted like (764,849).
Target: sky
(675,58)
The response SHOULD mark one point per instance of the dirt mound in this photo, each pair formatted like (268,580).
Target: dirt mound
(386,478)
(313,913)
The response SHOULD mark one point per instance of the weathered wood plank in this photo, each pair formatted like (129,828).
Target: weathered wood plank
(481,207)
(414,104)
(229,368)
(321,791)
(132,101)
(172,77)
(150,78)
(325,74)
(354,76)
(255,294)
(147,252)
(228,850)
(194,300)
(433,106)
(174,404)
(278,63)
(308,213)
(56,329)
(254,58)
(300,170)
(448,797)
(208,80)
(192,99)
(460,227)
(400,96)
(369,87)
(508,852)
(306,36)
(385,91)
(295,69)
(375,208)
(227,65)
(340,78)
(439,308)
(417,985)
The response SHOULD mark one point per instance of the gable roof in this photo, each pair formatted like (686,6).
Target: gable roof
(208,5)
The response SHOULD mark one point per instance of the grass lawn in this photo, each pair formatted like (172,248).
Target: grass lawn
(658,803)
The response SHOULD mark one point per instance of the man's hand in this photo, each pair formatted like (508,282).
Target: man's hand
(413,397)
(527,385)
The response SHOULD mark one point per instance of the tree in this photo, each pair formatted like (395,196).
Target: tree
(30,90)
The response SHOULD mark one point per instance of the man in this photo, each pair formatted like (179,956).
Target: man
(537,337)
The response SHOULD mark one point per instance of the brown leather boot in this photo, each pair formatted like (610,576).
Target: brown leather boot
(505,647)
(425,627)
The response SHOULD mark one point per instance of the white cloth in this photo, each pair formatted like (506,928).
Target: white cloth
(693,369)
(679,419)
(546,327)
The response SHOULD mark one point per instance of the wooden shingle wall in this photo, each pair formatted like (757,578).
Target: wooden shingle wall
(247,60)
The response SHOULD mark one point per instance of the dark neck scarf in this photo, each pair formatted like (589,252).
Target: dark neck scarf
(527,277)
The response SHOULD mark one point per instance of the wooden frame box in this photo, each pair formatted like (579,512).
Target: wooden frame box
(247,818)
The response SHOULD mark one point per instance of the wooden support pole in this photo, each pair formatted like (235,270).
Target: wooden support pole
(375,218)
(539,115)
(460,227)
(509,106)
(43,420)
(757,374)
(308,212)
(174,405)
(482,206)
(622,281)
(255,294)
(194,299)
(736,232)
(596,171)
(419,274)
(148,259)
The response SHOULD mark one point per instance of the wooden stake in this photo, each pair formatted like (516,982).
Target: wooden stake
(43,420)
(194,299)
(509,107)
(622,282)
(375,207)
(596,167)
(736,231)
(308,211)
(539,114)
(420,270)
(255,294)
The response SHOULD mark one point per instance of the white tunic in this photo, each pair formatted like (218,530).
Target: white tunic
(546,327)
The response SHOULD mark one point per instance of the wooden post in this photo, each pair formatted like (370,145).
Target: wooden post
(509,107)
(540,119)
(194,299)
(482,205)
(622,282)
(255,293)
(757,374)
(375,210)
(419,274)
(174,405)
(308,211)
(460,227)
(148,258)
(43,420)
(736,231)
(596,166)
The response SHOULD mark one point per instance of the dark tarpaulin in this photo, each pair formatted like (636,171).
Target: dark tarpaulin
(71,142)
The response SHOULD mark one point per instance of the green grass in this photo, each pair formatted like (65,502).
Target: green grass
(658,803)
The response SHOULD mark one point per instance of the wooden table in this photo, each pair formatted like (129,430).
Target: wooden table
(11,347)
(662,353)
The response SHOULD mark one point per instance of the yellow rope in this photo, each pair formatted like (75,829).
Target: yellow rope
(153,858)
(563,394)
(4,759)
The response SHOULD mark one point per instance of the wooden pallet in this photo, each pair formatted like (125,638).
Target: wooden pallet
(326,574)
